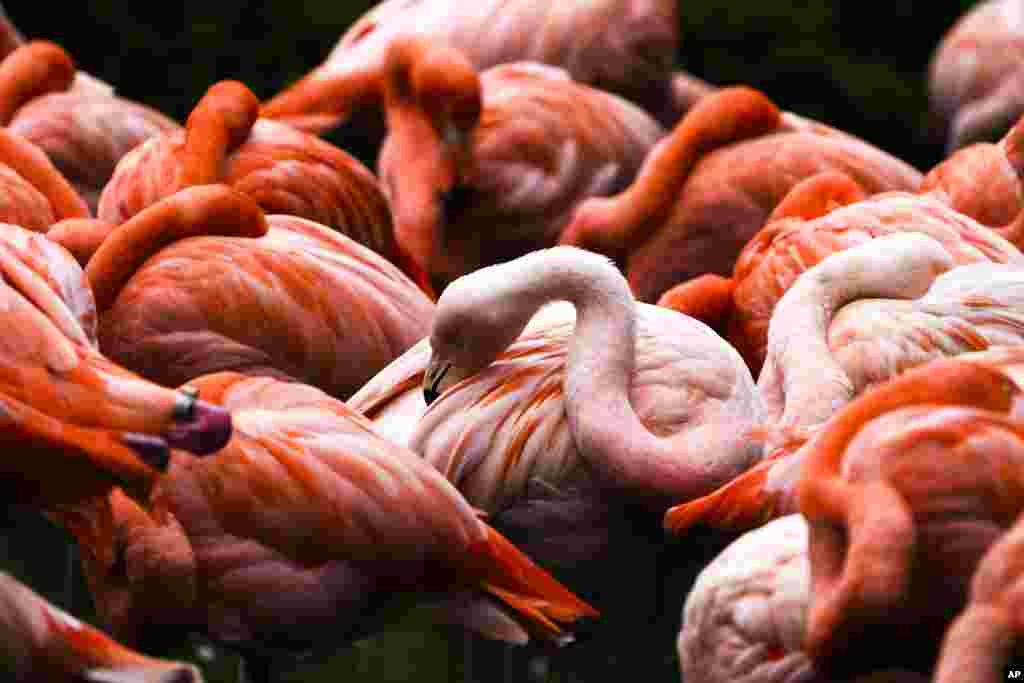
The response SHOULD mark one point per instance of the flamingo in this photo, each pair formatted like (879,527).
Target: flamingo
(285,171)
(35,194)
(44,644)
(622,46)
(284,296)
(904,490)
(829,341)
(922,472)
(745,617)
(575,427)
(705,191)
(822,215)
(982,180)
(300,532)
(981,642)
(83,131)
(76,424)
(975,85)
(483,167)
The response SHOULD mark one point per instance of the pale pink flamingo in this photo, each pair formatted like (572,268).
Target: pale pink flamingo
(976,82)
(622,46)
(483,167)
(705,191)
(573,431)
(745,617)
(284,297)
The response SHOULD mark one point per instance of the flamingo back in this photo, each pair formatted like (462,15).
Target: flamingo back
(85,135)
(304,302)
(730,193)
(785,249)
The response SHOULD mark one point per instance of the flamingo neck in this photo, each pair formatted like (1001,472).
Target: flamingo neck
(599,374)
(802,382)
(717,119)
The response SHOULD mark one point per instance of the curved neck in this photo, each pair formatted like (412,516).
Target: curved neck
(82,237)
(802,383)
(192,212)
(599,376)
(716,120)
(33,70)
(32,164)
(221,122)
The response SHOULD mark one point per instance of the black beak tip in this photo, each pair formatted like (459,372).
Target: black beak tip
(430,394)
(151,449)
(208,430)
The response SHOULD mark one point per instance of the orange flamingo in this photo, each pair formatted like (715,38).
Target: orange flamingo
(623,46)
(484,167)
(704,192)
(975,77)
(43,644)
(35,193)
(983,639)
(825,350)
(83,131)
(745,616)
(68,409)
(284,297)
(300,533)
(283,170)
(904,490)
(820,216)
(982,180)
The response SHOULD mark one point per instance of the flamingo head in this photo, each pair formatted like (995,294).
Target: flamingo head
(433,102)
(66,408)
(474,322)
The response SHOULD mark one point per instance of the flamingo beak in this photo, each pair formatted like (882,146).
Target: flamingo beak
(433,378)
(199,427)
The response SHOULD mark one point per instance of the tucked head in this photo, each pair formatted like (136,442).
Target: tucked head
(468,331)
(477,317)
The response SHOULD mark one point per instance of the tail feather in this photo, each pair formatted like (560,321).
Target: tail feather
(744,503)
(536,596)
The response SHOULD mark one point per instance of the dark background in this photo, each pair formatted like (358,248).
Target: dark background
(862,68)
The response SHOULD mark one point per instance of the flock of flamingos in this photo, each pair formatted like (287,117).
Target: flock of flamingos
(584,299)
